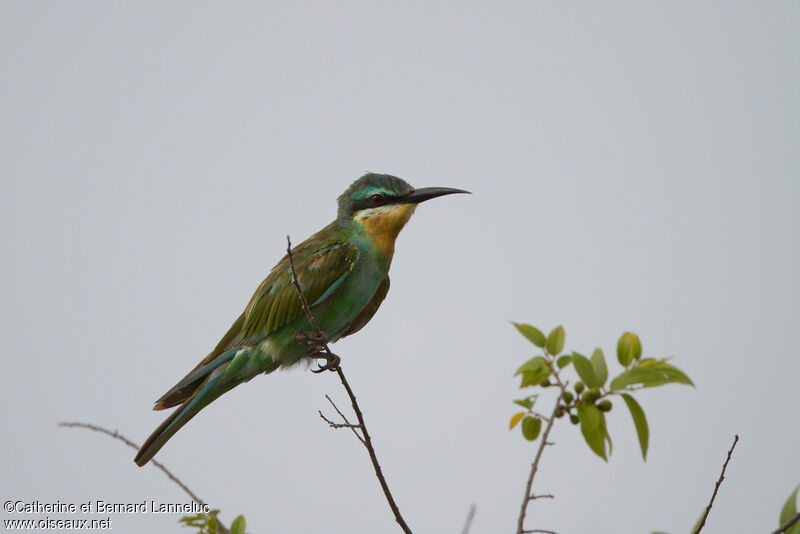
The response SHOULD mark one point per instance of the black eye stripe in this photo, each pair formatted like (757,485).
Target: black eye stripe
(373,201)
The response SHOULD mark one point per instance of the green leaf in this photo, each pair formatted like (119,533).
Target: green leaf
(675,374)
(788,511)
(238,525)
(640,422)
(599,365)
(592,429)
(555,341)
(644,376)
(629,348)
(697,523)
(530,378)
(585,370)
(515,419)
(534,364)
(563,361)
(650,373)
(205,523)
(606,436)
(531,427)
(669,370)
(531,333)
(197,521)
(533,371)
(525,403)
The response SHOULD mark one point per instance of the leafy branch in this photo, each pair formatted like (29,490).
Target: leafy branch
(789,518)
(590,399)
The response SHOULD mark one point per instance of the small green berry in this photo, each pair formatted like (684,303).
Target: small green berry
(568,397)
(591,395)
(560,411)
(579,387)
(604,406)
(544,383)
(574,419)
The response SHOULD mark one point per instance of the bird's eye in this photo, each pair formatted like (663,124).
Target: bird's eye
(377,198)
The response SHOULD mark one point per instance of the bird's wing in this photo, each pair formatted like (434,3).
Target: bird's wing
(321,268)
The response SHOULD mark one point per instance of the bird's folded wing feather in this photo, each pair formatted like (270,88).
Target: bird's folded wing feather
(321,269)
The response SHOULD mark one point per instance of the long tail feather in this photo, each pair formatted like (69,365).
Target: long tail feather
(185,389)
(178,418)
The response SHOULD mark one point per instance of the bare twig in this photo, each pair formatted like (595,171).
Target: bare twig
(541,416)
(129,443)
(784,527)
(540,531)
(468,522)
(346,423)
(334,424)
(535,467)
(716,486)
(334,365)
(134,446)
(332,359)
(371,450)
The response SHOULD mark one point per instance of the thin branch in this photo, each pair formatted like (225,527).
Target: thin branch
(541,416)
(468,522)
(340,412)
(302,296)
(535,467)
(129,443)
(717,485)
(334,365)
(333,424)
(786,526)
(372,456)
(346,424)
(539,530)
(332,359)
(134,446)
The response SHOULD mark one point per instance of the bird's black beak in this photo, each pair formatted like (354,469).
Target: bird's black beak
(427,193)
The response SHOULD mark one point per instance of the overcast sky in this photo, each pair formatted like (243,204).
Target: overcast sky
(634,167)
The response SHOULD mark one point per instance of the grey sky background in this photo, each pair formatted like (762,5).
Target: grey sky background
(635,167)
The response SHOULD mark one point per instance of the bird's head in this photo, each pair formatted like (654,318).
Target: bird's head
(382,204)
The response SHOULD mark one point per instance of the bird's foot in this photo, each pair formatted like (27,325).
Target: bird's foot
(332,361)
(318,342)
(313,338)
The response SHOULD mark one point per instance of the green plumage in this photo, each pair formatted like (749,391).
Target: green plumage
(343,272)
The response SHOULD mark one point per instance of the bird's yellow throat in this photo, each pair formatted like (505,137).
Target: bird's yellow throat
(383,224)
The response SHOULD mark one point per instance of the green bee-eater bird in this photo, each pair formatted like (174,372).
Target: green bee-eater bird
(343,271)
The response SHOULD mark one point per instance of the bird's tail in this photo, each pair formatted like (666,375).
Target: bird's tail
(210,391)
